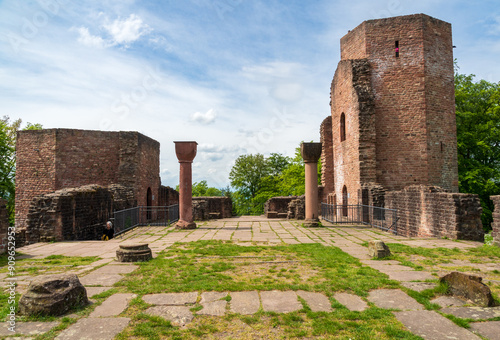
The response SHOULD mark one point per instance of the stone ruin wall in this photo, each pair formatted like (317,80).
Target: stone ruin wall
(496,220)
(54,159)
(73,213)
(167,196)
(328,179)
(206,208)
(4,225)
(400,127)
(289,207)
(426,211)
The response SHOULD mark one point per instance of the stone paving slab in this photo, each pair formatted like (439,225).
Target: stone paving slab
(410,276)
(449,301)
(316,301)
(352,302)
(207,297)
(419,286)
(393,299)
(433,326)
(172,299)
(94,329)
(28,328)
(113,306)
(214,308)
(177,315)
(96,279)
(280,302)
(115,269)
(245,303)
(91,291)
(488,329)
(475,313)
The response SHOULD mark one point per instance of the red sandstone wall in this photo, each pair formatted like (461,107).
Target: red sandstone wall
(327,169)
(167,196)
(399,85)
(4,225)
(353,44)
(148,170)
(35,169)
(430,212)
(496,220)
(73,213)
(345,153)
(86,157)
(49,160)
(414,99)
(440,104)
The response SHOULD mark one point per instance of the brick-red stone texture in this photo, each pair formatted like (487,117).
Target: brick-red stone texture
(496,220)
(4,225)
(53,159)
(327,169)
(411,127)
(425,211)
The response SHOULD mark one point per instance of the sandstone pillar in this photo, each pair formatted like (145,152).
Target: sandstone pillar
(185,151)
(496,220)
(311,153)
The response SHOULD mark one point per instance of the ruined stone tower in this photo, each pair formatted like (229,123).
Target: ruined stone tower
(392,109)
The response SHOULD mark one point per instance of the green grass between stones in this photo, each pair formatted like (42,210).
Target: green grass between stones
(225,266)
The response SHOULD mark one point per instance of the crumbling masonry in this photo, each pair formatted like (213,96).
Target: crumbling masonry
(391,137)
(69,182)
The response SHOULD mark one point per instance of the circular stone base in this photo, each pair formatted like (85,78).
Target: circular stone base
(185,225)
(139,252)
(311,223)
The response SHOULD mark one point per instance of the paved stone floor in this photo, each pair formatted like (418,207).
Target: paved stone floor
(245,230)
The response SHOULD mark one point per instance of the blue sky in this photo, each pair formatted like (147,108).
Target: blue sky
(237,76)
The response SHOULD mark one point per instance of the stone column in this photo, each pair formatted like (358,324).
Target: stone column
(185,151)
(496,220)
(311,153)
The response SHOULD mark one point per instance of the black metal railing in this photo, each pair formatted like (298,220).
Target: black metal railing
(127,219)
(377,217)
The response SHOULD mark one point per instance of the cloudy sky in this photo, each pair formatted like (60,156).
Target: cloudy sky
(237,76)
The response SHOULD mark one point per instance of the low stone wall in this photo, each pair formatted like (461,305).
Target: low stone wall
(73,214)
(206,208)
(496,220)
(278,204)
(297,208)
(167,196)
(4,225)
(426,211)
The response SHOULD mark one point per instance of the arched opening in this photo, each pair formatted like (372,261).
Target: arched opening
(342,127)
(345,197)
(149,203)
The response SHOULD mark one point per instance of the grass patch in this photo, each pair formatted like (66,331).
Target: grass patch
(52,264)
(224,266)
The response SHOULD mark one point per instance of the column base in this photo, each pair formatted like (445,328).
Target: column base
(311,223)
(185,225)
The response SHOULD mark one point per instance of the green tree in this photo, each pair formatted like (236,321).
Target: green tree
(8,133)
(256,179)
(200,189)
(478,140)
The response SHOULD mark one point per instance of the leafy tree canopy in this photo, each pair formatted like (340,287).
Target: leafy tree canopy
(478,139)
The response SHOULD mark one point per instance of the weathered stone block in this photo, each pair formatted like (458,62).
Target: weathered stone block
(139,252)
(470,287)
(272,214)
(53,295)
(378,249)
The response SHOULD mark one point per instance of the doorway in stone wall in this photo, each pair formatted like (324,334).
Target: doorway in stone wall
(345,197)
(149,203)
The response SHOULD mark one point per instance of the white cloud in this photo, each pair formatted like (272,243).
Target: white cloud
(127,31)
(204,118)
(90,40)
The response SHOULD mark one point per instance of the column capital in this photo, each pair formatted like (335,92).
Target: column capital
(311,152)
(185,151)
